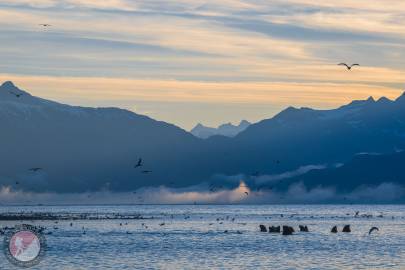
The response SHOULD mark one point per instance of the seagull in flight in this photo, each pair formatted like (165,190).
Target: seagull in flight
(347,66)
(17,94)
(139,164)
(373,229)
(35,169)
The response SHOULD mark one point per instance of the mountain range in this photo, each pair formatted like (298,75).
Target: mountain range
(228,130)
(86,149)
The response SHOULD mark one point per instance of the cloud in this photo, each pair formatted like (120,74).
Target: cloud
(262,179)
(69,4)
(286,93)
(274,52)
(297,193)
(264,98)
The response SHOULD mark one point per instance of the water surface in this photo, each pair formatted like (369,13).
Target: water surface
(194,237)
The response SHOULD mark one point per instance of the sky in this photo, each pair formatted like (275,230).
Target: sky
(210,62)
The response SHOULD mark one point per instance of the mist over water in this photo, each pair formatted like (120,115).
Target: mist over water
(242,193)
(194,237)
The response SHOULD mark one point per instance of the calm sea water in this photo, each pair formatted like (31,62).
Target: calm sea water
(193,237)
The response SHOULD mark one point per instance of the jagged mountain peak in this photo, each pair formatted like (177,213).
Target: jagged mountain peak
(228,130)
(10,92)
(9,86)
(384,100)
(401,98)
(370,99)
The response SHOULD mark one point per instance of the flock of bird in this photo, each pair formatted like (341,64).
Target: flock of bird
(285,230)
(139,164)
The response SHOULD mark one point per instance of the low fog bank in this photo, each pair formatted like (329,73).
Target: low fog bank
(242,194)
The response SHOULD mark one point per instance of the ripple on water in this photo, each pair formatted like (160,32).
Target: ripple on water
(193,237)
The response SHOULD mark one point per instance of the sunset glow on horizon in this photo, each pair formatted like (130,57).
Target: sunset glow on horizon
(212,62)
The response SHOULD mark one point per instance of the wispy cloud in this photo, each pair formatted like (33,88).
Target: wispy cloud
(262,179)
(243,100)
(272,51)
(297,193)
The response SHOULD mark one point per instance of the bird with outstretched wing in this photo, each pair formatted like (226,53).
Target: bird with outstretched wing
(139,164)
(349,67)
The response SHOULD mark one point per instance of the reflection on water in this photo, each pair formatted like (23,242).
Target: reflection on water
(193,237)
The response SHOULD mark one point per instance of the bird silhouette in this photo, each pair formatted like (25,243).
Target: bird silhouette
(373,229)
(17,94)
(35,169)
(347,66)
(44,25)
(139,164)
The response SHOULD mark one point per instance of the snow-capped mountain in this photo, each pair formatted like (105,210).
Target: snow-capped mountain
(81,148)
(228,130)
(86,149)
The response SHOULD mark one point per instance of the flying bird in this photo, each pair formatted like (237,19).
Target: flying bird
(139,164)
(373,229)
(16,94)
(347,66)
(44,25)
(35,169)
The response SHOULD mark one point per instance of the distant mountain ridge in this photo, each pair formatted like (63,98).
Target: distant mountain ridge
(83,148)
(305,136)
(87,149)
(227,130)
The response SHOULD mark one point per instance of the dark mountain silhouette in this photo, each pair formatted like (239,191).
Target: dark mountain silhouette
(298,137)
(84,149)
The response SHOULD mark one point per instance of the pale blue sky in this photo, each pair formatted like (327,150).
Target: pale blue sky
(189,61)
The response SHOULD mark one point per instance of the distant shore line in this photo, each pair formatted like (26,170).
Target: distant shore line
(68,216)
